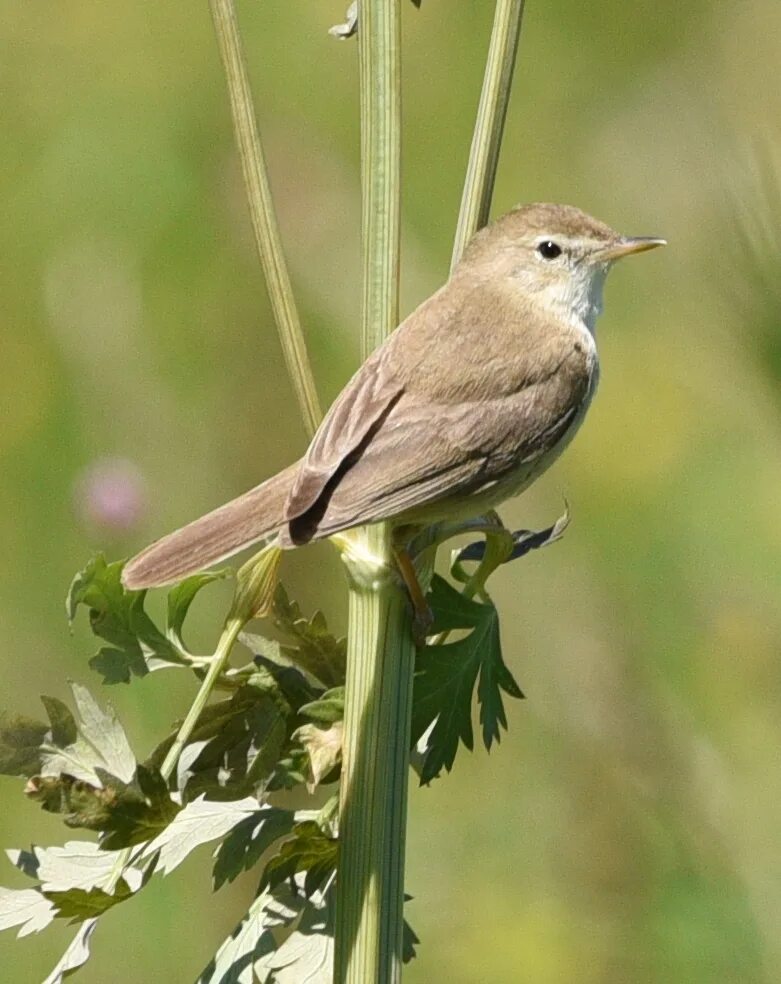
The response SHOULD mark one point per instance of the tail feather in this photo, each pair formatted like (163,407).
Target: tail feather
(257,515)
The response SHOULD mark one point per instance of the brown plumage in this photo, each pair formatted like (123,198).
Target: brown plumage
(475,394)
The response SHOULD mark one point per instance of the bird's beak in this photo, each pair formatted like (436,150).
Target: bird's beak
(628,245)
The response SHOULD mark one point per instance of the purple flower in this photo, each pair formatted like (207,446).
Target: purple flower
(110,496)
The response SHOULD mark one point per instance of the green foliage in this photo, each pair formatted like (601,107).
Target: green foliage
(20,744)
(446,674)
(279,728)
(117,616)
(310,852)
(182,595)
(312,647)
(248,841)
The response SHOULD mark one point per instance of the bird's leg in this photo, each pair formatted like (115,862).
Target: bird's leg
(423,617)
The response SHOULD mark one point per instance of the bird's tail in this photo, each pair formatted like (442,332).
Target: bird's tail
(257,515)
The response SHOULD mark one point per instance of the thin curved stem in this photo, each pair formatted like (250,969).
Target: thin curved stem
(489,126)
(264,219)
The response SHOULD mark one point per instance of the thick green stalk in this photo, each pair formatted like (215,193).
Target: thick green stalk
(261,207)
(489,126)
(380,658)
(375,770)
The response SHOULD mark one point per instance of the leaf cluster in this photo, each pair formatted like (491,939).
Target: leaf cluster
(277,728)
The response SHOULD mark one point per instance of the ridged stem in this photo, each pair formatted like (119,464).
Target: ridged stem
(262,214)
(380,657)
(375,770)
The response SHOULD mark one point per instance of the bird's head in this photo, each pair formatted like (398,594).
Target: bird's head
(556,254)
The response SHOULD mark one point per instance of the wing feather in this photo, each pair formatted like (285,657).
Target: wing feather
(358,410)
(425,454)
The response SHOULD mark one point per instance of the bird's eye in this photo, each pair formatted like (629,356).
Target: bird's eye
(549,250)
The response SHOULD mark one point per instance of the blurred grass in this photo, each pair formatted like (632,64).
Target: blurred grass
(627,828)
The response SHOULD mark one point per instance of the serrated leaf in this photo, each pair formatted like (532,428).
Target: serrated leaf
(253,938)
(77,904)
(291,770)
(183,594)
(248,841)
(100,742)
(446,675)
(275,662)
(198,823)
(140,812)
(118,617)
(26,908)
(105,734)
(307,955)
(76,955)
(20,744)
(77,864)
(125,813)
(409,940)
(241,757)
(309,851)
(238,744)
(451,609)
(313,647)
(285,938)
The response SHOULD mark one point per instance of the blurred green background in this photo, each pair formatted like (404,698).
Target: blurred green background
(627,829)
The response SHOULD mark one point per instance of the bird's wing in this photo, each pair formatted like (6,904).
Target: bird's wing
(356,414)
(423,453)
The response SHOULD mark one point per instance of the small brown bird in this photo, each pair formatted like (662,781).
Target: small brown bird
(472,397)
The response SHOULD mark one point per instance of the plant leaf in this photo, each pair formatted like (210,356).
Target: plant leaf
(274,663)
(234,749)
(117,616)
(327,709)
(307,955)
(291,770)
(310,851)
(26,908)
(141,810)
(77,904)
(248,841)
(446,675)
(253,938)
(100,742)
(324,748)
(313,647)
(182,595)
(200,821)
(524,541)
(76,955)
(78,864)
(126,813)
(409,941)
(20,743)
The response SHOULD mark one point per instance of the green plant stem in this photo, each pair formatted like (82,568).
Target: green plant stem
(218,663)
(379,44)
(261,207)
(375,769)
(380,656)
(489,126)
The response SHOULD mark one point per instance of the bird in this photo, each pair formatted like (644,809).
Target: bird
(468,401)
